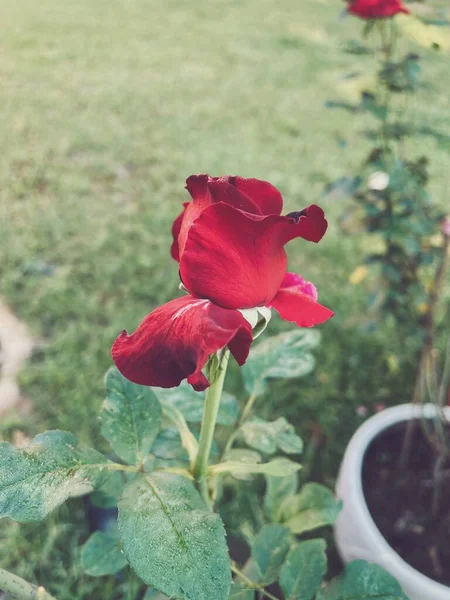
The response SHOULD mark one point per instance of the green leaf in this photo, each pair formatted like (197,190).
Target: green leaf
(40,477)
(363,581)
(130,418)
(167,446)
(269,550)
(240,591)
(303,571)
(242,455)
(102,555)
(278,489)
(166,529)
(169,452)
(315,506)
(188,440)
(190,403)
(285,356)
(109,493)
(152,594)
(278,467)
(241,511)
(369,103)
(267,436)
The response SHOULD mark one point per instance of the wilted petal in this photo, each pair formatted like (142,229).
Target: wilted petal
(175,341)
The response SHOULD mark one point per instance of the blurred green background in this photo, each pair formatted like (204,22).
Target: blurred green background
(106,107)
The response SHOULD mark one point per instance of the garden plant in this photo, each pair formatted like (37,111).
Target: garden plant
(392,201)
(182,494)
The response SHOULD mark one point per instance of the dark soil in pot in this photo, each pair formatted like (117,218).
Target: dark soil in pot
(411,506)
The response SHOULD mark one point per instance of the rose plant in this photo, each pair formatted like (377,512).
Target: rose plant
(390,189)
(178,491)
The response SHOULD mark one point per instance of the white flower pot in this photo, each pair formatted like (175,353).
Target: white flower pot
(356,534)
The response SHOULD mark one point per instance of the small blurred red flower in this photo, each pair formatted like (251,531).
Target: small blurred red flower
(445,226)
(229,242)
(376,9)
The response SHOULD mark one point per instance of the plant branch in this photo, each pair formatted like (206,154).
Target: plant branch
(21,589)
(429,325)
(252,584)
(211,408)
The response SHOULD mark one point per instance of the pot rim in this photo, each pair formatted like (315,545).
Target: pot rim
(352,465)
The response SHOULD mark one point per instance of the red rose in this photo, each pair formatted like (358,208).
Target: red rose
(229,242)
(376,9)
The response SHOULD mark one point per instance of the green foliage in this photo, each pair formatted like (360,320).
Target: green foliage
(393,199)
(109,493)
(278,489)
(130,418)
(267,436)
(403,216)
(102,555)
(402,76)
(152,594)
(240,509)
(166,529)
(240,591)
(168,449)
(363,581)
(187,438)
(277,467)
(40,477)
(313,507)
(269,550)
(286,356)
(190,403)
(304,569)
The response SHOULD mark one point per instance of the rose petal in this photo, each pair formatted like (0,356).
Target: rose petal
(263,193)
(310,224)
(224,189)
(175,341)
(376,9)
(237,260)
(197,186)
(264,197)
(176,228)
(250,195)
(293,281)
(198,381)
(296,302)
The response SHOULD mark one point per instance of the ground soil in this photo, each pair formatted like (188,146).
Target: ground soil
(403,502)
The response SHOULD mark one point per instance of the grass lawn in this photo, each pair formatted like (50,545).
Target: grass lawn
(106,108)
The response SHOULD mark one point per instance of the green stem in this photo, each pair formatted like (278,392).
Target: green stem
(211,408)
(252,584)
(21,589)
